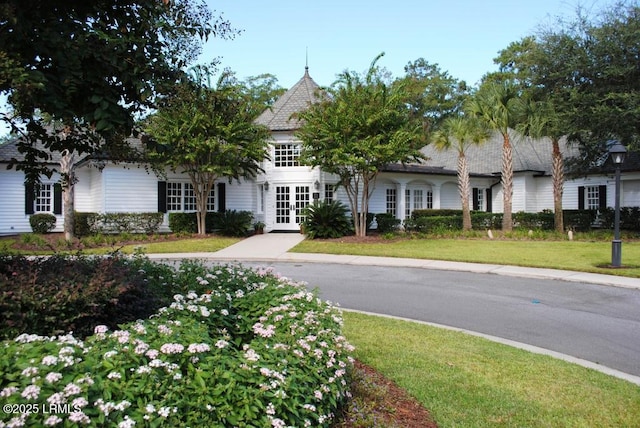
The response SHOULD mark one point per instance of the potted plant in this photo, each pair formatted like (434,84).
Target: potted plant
(258,226)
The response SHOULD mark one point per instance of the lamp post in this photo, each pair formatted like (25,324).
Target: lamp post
(617,152)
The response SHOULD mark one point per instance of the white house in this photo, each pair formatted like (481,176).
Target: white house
(278,196)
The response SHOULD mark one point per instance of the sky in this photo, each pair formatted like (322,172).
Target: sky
(461,36)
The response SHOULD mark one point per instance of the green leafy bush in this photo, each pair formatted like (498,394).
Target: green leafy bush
(579,220)
(231,222)
(42,223)
(183,222)
(251,350)
(53,295)
(125,222)
(481,220)
(387,223)
(629,218)
(82,222)
(327,219)
(435,213)
(534,221)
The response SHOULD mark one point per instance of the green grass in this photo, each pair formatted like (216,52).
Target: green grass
(583,256)
(467,381)
(205,245)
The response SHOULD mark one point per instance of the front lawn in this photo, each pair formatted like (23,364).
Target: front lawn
(578,255)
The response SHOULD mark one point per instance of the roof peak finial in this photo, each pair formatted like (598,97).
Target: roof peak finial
(306,60)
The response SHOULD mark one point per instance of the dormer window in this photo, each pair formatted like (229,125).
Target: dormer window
(287,155)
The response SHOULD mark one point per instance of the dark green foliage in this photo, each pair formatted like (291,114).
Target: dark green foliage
(327,219)
(55,295)
(543,220)
(435,213)
(184,222)
(81,223)
(430,224)
(629,218)
(232,222)
(579,220)
(481,220)
(387,223)
(42,223)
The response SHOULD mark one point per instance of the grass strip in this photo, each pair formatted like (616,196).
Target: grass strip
(568,255)
(466,381)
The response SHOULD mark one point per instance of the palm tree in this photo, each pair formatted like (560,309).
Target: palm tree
(459,132)
(498,105)
(542,120)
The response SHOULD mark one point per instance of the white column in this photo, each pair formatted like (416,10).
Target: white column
(435,189)
(401,203)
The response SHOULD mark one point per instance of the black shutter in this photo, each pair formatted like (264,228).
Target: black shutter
(602,195)
(581,197)
(162,196)
(476,202)
(222,198)
(57,198)
(489,201)
(29,198)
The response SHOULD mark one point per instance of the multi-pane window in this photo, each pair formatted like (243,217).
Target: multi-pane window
(287,155)
(391,201)
(480,199)
(181,197)
(414,200)
(329,192)
(44,199)
(593,197)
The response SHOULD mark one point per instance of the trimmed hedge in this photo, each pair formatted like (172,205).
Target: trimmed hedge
(42,223)
(228,223)
(387,223)
(113,223)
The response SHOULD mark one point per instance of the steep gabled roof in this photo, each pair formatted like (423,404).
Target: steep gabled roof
(296,99)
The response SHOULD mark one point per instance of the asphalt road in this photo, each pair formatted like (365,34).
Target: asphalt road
(597,323)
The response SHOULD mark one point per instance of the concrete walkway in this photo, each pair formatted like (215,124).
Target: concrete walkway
(275,247)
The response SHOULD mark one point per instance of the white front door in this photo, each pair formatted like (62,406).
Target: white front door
(290,201)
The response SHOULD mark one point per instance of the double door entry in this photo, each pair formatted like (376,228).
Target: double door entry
(290,202)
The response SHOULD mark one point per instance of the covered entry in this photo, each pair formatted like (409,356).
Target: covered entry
(291,199)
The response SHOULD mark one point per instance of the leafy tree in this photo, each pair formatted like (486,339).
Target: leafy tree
(519,62)
(589,68)
(209,134)
(92,66)
(435,94)
(499,106)
(361,126)
(458,133)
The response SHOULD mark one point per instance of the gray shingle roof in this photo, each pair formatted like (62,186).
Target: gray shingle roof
(528,155)
(296,99)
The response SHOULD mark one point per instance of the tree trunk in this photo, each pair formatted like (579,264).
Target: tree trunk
(558,185)
(463,188)
(202,184)
(68,181)
(507,184)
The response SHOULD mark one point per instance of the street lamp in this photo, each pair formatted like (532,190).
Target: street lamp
(617,152)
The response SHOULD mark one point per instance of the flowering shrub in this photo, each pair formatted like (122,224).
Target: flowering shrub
(244,348)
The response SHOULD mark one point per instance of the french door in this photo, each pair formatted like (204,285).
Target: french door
(290,202)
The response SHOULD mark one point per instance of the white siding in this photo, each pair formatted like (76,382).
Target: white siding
(241,196)
(13,218)
(129,189)
(449,196)
(544,194)
(630,193)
